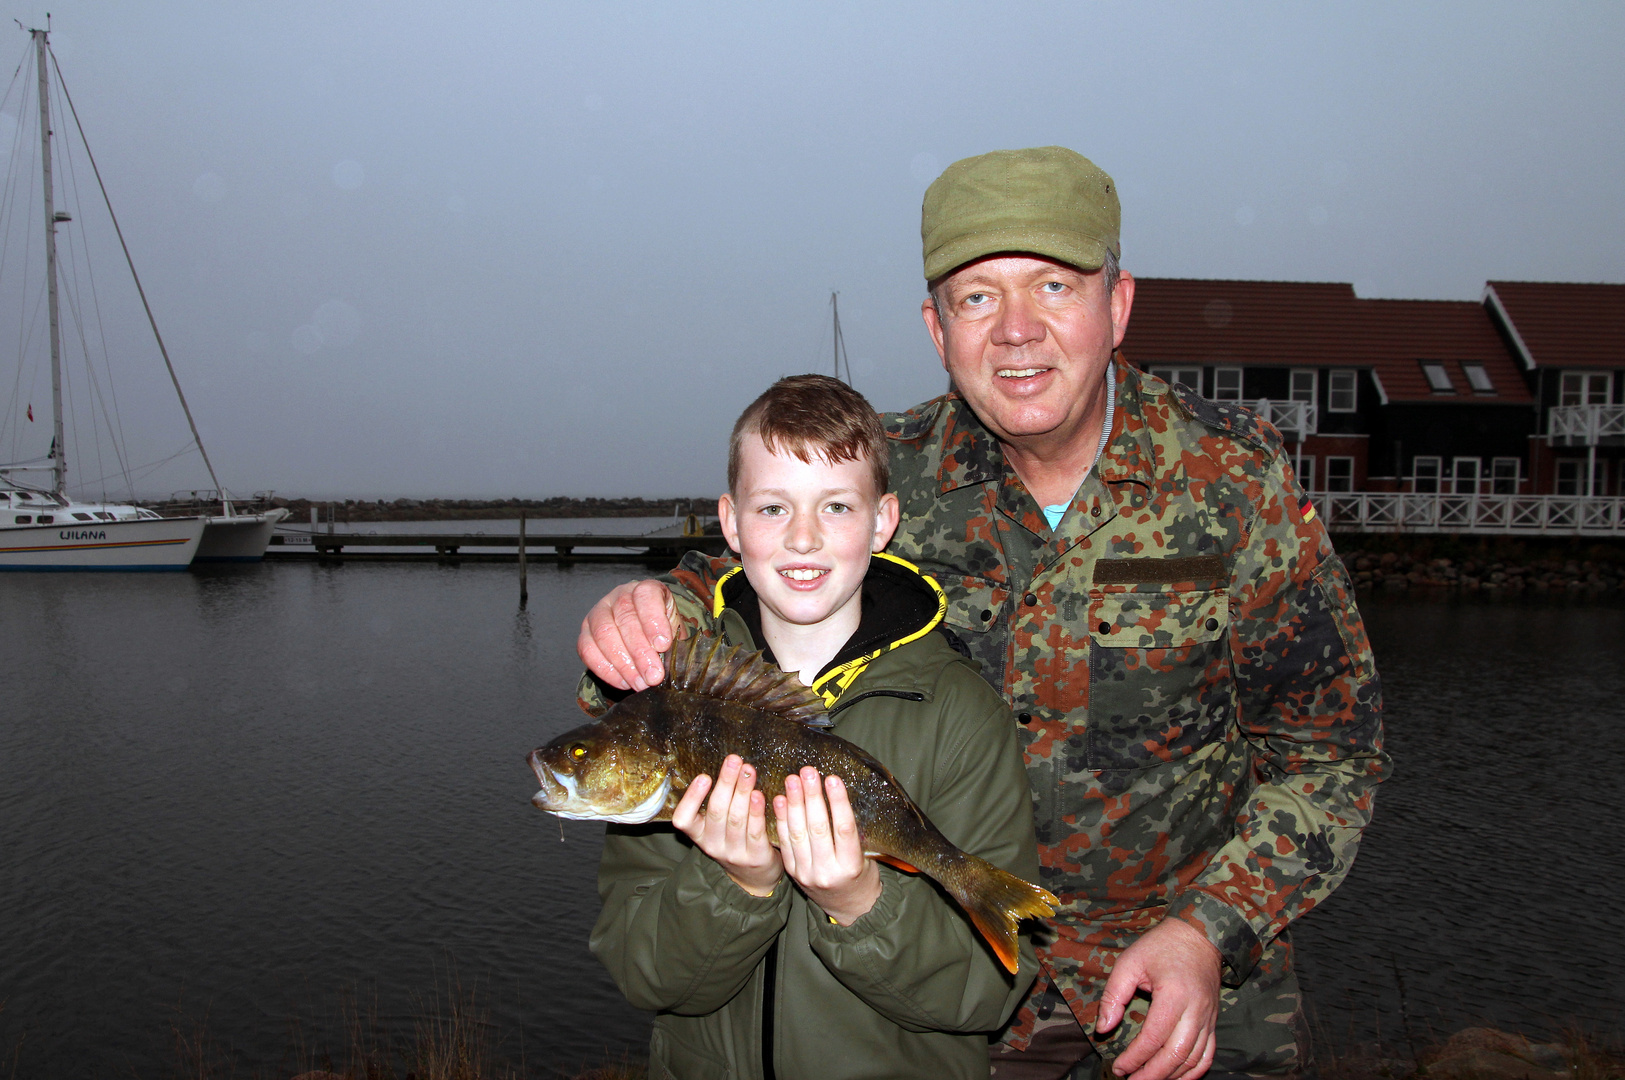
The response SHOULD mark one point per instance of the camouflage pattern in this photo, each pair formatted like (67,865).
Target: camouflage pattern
(1193,687)
(1262,1032)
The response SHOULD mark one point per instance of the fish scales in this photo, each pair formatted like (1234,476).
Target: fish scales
(634,762)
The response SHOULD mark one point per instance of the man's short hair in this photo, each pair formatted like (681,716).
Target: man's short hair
(810,415)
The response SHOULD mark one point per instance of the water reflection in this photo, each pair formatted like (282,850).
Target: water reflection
(246,794)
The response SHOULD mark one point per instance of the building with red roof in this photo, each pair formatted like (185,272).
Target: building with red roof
(1569,341)
(1371,395)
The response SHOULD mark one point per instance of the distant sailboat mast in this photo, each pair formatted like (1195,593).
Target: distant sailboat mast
(59,461)
(42,48)
(840,340)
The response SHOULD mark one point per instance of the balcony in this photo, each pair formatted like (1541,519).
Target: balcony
(1295,420)
(1586,425)
(1476,515)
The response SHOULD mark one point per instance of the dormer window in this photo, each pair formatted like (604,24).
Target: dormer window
(1438,378)
(1478,378)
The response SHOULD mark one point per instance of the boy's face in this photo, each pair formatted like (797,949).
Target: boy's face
(804,531)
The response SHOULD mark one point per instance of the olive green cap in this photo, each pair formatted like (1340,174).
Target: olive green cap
(1047,201)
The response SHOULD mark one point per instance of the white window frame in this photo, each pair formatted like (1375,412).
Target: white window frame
(1574,482)
(1464,485)
(1478,378)
(1308,393)
(1349,477)
(1224,393)
(1433,476)
(1305,468)
(1438,377)
(1343,399)
(1506,475)
(1586,388)
(1187,376)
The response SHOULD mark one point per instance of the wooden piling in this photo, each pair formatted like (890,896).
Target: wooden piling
(524,586)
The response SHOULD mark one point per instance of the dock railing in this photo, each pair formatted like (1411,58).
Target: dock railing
(1515,515)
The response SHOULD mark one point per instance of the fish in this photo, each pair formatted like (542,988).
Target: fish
(634,762)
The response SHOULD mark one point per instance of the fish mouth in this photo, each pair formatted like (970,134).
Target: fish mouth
(558,789)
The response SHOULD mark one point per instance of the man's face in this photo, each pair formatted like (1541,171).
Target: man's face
(804,532)
(1027,341)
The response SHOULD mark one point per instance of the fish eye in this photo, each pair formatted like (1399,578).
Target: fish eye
(578,751)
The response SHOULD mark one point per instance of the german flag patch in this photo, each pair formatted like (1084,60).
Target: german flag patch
(1306,510)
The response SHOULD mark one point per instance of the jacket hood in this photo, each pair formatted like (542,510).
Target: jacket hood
(900,605)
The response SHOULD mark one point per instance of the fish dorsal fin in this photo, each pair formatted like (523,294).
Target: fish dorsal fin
(703,664)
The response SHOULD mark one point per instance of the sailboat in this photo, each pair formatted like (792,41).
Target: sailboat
(43,528)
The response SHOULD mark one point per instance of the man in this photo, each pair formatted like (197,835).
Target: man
(1140,575)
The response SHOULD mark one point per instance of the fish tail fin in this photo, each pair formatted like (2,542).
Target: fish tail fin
(996,901)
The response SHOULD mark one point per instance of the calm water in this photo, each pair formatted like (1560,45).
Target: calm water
(234,801)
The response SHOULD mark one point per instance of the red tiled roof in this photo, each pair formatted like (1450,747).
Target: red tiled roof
(1402,334)
(1319,324)
(1565,324)
(1261,323)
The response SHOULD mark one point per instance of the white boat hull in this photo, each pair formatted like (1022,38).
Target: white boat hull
(147,544)
(241,538)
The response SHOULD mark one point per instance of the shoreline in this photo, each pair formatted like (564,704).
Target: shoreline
(1489,566)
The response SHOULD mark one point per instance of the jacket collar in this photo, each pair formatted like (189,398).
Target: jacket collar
(900,605)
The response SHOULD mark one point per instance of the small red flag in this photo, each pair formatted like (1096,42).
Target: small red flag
(30,412)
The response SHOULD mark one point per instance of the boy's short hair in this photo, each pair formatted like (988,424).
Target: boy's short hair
(814,414)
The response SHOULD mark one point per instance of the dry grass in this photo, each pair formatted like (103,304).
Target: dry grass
(1578,1055)
(452,1038)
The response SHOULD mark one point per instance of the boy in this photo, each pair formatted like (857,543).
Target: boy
(810,960)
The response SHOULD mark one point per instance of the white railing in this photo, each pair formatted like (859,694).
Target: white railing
(1586,425)
(1293,419)
(1553,515)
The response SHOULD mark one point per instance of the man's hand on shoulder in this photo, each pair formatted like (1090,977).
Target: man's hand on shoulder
(1177,965)
(624,634)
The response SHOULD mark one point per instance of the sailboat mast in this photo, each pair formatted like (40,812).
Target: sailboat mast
(835,335)
(59,460)
(839,343)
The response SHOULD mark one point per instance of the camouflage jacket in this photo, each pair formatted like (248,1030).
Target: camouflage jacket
(1193,687)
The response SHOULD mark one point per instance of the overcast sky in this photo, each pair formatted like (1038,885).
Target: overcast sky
(538,249)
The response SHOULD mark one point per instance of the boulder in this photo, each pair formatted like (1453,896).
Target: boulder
(1488,1054)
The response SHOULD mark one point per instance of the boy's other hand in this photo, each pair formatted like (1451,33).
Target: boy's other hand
(821,848)
(731,826)
(624,634)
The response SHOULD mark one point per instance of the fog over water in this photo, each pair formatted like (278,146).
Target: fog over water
(534,249)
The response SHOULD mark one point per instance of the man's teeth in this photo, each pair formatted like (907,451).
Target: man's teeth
(1020,374)
(803,574)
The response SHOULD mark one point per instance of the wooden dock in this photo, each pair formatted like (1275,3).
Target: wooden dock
(489,547)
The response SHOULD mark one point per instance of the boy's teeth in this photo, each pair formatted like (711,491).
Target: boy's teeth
(1022,374)
(802,574)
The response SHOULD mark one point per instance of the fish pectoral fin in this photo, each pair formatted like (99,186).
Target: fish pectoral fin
(896,863)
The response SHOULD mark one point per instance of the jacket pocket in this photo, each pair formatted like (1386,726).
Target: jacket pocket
(1159,675)
(975,607)
(671,1060)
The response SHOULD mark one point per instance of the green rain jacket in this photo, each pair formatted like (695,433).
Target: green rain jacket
(909,989)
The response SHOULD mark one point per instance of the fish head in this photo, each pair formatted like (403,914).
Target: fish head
(604,771)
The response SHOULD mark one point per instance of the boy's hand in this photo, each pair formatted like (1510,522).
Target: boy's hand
(623,635)
(732,826)
(821,849)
